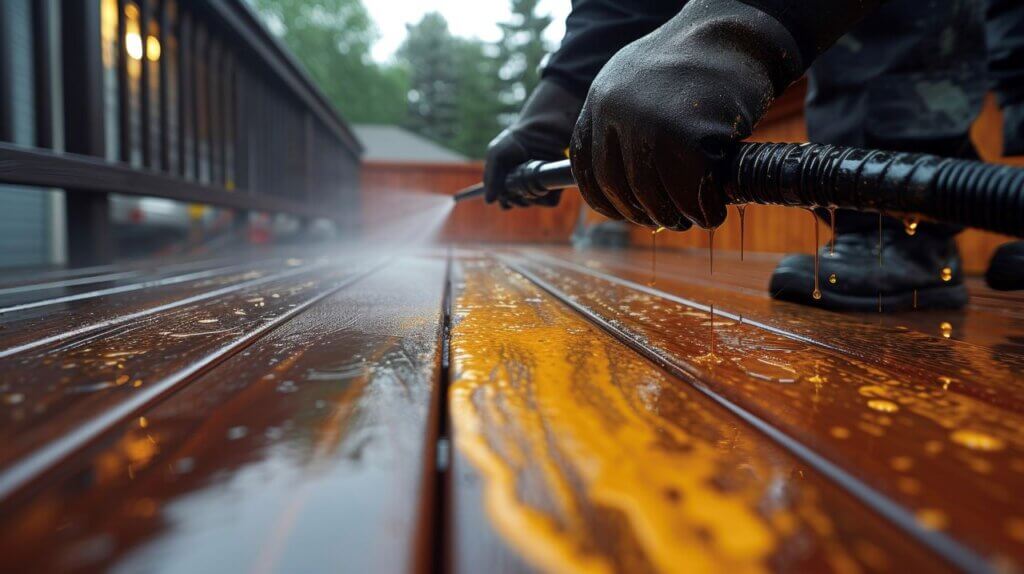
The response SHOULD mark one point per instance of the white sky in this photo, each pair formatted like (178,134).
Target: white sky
(467,18)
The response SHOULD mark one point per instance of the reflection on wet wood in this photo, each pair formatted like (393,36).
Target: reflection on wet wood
(305,452)
(62,393)
(71,286)
(935,425)
(587,457)
(283,414)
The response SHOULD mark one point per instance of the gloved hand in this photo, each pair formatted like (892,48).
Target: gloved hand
(542,132)
(667,108)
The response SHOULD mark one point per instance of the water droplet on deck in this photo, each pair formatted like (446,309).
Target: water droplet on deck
(767,370)
(946,329)
(901,463)
(908,485)
(932,518)
(13,398)
(235,433)
(287,387)
(910,225)
(883,406)
(977,440)
(839,432)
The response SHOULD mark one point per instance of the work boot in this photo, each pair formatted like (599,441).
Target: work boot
(851,279)
(1006,270)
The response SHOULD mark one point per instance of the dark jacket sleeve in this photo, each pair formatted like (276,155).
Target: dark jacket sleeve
(596,30)
(817,24)
(1004,32)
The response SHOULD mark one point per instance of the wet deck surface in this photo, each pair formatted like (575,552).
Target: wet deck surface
(285,414)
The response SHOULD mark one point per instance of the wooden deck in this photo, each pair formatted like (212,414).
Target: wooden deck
(515,409)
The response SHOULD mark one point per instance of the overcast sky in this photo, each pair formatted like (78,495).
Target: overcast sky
(467,18)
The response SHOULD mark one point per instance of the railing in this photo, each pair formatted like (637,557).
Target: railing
(191,100)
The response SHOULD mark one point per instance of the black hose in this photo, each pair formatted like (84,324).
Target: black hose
(961,192)
(953,191)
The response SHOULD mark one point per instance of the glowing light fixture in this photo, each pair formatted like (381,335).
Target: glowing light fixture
(133,45)
(152,48)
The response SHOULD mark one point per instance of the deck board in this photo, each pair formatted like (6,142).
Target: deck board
(289,416)
(64,389)
(308,451)
(872,402)
(584,456)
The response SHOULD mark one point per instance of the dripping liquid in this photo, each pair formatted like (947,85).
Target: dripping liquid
(712,333)
(816,294)
(654,256)
(742,211)
(910,225)
(832,222)
(711,251)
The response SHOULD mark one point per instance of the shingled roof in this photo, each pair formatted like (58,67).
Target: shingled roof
(395,144)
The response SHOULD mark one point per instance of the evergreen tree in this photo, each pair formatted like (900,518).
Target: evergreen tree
(521,50)
(333,39)
(479,104)
(430,56)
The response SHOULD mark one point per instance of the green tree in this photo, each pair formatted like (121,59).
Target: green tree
(429,54)
(520,50)
(333,39)
(479,105)
(453,95)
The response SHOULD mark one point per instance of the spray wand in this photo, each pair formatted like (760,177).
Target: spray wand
(961,192)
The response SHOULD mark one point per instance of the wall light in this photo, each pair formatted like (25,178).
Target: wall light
(152,48)
(133,45)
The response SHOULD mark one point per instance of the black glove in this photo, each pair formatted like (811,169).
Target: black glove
(542,132)
(668,107)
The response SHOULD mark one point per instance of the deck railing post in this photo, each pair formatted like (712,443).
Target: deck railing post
(89,237)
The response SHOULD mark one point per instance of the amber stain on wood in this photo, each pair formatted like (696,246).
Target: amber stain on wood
(305,452)
(591,459)
(934,424)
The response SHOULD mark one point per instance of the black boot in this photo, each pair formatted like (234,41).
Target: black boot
(852,279)
(1006,270)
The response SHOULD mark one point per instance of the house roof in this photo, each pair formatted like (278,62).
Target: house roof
(395,144)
